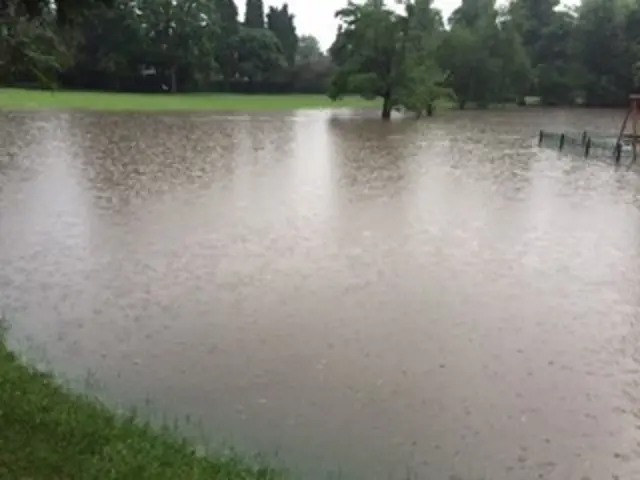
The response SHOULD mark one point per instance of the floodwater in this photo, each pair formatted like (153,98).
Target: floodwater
(437,298)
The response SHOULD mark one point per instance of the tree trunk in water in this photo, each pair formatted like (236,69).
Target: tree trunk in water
(430,109)
(174,80)
(462,104)
(386,107)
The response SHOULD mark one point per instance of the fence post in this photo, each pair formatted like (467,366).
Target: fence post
(587,147)
(618,152)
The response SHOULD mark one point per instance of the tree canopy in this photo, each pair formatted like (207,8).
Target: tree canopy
(401,51)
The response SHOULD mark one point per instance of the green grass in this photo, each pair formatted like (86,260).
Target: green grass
(47,432)
(22,99)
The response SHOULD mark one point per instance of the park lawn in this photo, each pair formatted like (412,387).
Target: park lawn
(27,99)
(47,432)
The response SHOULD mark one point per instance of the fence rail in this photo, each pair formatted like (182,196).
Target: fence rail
(585,144)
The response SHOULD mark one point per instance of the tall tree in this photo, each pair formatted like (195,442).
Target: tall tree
(367,51)
(226,47)
(423,79)
(471,53)
(557,74)
(179,34)
(601,51)
(473,12)
(254,14)
(282,24)
(531,18)
(547,38)
(308,49)
(516,73)
(260,56)
(111,43)
(34,47)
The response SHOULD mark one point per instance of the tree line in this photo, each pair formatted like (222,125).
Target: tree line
(487,54)
(156,45)
(403,52)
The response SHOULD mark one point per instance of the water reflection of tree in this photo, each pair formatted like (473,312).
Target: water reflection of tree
(370,157)
(371,165)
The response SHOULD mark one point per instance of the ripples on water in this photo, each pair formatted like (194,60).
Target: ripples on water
(437,297)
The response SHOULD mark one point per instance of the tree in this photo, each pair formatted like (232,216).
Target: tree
(179,34)
(423,79)
(32,47)
(471,13)
(470,69)
(382,53)
(632,37)
(313,69)
(260,56)
(368,52)
(602,52)
(308,49)
(282,24)
(558,75)
(226,46)
(254,14)
(530,19)
(110,45)
(469,53)
(547,37)
(516,74)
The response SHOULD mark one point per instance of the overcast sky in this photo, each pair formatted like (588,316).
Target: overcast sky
(315,17)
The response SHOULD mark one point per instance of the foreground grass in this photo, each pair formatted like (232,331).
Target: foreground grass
(22,99)
(48,433)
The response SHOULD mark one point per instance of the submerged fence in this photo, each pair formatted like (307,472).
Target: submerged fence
(585,144)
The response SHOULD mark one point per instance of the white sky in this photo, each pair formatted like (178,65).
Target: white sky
(315,17)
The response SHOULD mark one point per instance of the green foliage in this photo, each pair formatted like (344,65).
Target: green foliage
(398,51)
(260,55)
(282,24)
(226,46)
(558,75)
(472,72)
(377,49)
(308,49)
(602,52)
(179,34)
(254,14)
(423,81)
(313,69)
(31,48)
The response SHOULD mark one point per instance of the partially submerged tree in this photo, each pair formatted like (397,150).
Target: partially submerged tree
(376,49)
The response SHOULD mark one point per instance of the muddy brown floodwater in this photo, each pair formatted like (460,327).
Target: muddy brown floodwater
(345,296)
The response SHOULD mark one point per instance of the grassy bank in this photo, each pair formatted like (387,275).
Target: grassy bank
(20,99)
(48,433)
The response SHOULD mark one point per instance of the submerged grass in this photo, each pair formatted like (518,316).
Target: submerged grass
(26,99)
(47,432)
